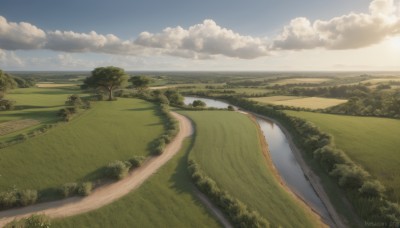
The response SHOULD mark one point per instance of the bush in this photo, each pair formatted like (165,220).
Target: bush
(328,157)
(65,114)
(159,146)
(34,221)
(231,108)
(237,212)
(27,197)
(372,189)
(117,169)
(162,99)
(69,189)
(350,176)
(6,104)
(198,103)
(85,188)
(136,161)
(74,100)
(8,199)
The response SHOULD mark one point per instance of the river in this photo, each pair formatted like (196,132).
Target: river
(283,158)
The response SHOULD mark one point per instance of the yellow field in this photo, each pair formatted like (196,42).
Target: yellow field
(53,85)
(379,80)
(301,80)
(301,102)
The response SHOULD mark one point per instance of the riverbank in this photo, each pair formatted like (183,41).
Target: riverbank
(314,180)
(325,222)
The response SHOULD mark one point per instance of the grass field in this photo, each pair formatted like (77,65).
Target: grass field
(165,200)
(301,102)
(75,151)
(53,85)
(372,142)
(228,149)
(39,104)
(301,80)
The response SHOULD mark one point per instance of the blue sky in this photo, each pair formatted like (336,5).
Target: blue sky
(202,35)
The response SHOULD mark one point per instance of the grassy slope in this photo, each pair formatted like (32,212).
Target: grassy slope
(369,141)
(227,148)
(41,104)
(75,151)
(165,200)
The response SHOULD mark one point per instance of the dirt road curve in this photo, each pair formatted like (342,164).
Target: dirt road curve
(106,194)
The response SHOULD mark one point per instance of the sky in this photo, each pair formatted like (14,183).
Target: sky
(207,35)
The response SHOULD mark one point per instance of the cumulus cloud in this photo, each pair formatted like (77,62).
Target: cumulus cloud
(354,30)
(10,59)
(205,39)
(208,40)
(201,41)
(21,35)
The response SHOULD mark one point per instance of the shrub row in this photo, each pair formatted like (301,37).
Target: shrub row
(24,136)
(366,194)
(120,169)
(237,212)
(16,197)
(33,221)
(171,130)
(73,189)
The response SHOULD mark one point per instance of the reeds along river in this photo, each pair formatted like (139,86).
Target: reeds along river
(283,158)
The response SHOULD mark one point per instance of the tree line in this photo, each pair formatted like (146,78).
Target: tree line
(367,194)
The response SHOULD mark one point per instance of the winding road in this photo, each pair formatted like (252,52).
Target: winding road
(108,193)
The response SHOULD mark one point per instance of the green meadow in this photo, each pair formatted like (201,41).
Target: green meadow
(228,149)
(166,199)
(369,141)
(76,151)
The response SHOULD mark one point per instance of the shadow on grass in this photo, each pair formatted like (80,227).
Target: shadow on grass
(181,180)
(95,175)
(139,109)
(51,91)
(24,107)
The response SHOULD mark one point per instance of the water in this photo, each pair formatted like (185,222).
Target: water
(282,157)
(288,167)
(210,102)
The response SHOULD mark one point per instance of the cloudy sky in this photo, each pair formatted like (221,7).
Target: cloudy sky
(256,35)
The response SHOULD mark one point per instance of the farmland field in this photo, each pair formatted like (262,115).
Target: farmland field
(53,85)
(380,80)
(167,195)
(301,102)
(301,80)
(37,104)
(75,151)
(231,154)
(370,141)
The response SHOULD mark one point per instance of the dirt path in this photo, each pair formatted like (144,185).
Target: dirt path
(106,194)
(312,177)
(214,210)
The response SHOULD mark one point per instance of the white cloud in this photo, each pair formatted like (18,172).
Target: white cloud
(208,40)
(21,35)
(344,32)
(204,41)
(10,59)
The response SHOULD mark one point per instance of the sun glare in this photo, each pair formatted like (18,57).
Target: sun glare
(395,42)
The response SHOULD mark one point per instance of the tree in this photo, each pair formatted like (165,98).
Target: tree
(198,103)
(174,97)
(107,78)
(6,83)
(140,82)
